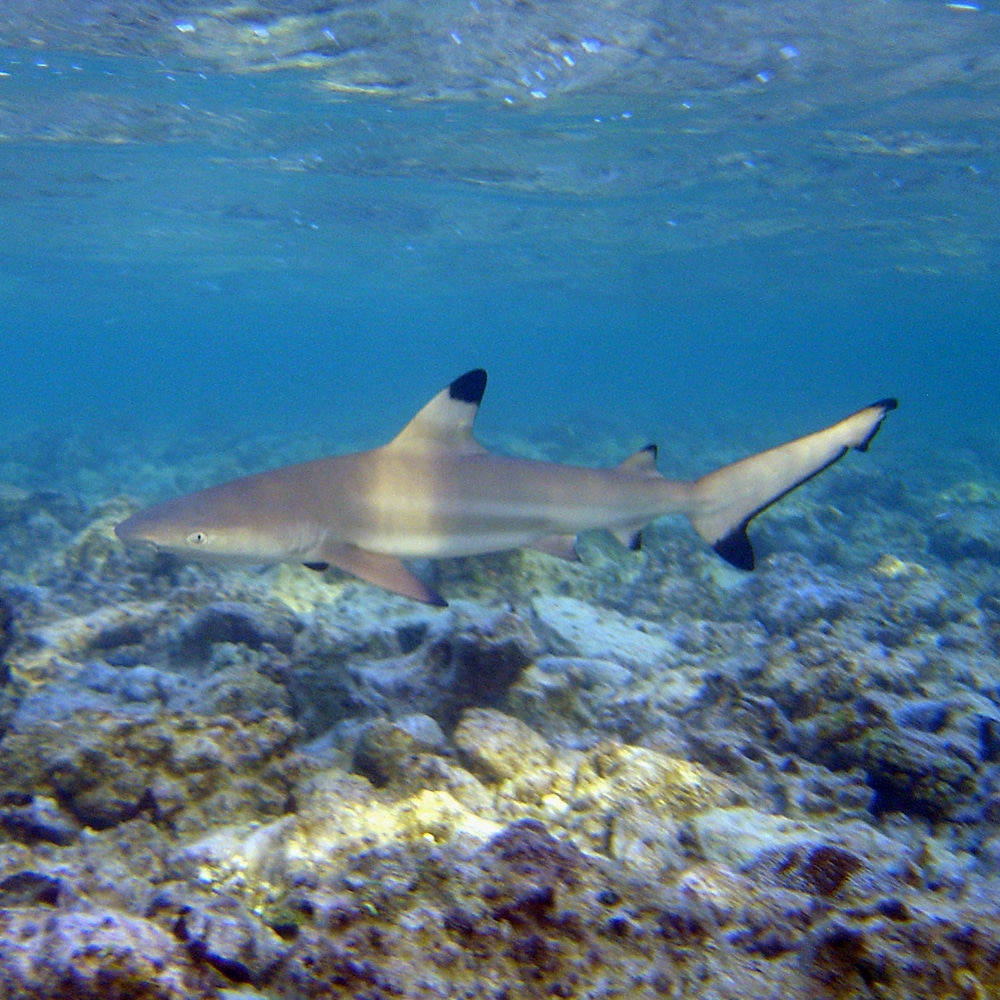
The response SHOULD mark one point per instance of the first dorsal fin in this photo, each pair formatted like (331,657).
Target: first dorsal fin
(445,423)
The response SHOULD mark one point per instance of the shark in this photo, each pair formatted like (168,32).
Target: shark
(435,492)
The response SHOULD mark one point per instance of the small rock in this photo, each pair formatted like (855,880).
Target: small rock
(927,716)
(577,629)
(29,888)
(387,749)
(232,941)
(234,622)
(498,746)
(40,818)
(48,953)
(916,773)
(588,672)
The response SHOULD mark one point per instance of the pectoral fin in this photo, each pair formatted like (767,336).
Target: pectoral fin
(384,571)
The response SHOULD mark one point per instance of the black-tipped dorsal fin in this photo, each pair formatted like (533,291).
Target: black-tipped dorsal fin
(445,423)
(643,462)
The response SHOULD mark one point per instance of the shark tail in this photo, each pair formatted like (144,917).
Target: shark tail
(725,501)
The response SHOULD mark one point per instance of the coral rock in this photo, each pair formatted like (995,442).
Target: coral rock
(106,768)
(91,956)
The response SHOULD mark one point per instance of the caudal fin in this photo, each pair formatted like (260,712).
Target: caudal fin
(725,501)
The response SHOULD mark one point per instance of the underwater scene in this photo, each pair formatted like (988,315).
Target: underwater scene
(671,671)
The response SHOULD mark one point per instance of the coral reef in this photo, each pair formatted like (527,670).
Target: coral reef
(644,776)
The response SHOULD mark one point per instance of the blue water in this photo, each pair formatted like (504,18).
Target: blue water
(712,226)
(193,250)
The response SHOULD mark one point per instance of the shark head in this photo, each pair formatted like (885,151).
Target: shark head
(205,526)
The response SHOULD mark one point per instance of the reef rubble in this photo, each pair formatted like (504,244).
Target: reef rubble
(646,776)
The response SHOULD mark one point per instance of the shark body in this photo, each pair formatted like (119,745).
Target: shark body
(434,491)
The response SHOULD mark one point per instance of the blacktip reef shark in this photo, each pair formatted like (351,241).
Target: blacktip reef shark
(434,491)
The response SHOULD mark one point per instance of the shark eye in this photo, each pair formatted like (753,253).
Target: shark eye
(197,538)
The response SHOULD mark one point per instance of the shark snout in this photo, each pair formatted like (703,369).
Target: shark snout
(127,530)
(135,531)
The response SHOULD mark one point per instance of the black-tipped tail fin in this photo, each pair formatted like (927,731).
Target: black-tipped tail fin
(725,501)
(736,549)
(885,405)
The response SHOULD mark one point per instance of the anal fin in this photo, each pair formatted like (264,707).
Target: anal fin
(561,546)
(387,572)
(630,536)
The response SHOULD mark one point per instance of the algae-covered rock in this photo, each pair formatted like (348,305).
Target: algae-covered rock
(916,773)
(968,532)
(822,859)
(187,770)
(616,870)
(222,934)
(499,747)
(33,817)
(504,888)
(409,664)
(568,693)
(49,954)
(235,623)
(392,752)
(108,627)
(586,793)
(6,632)
(95,546)
(790,600)
(614,801)
(923,773)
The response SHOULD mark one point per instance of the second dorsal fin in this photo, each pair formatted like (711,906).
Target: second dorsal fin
(445,423)
(643,461)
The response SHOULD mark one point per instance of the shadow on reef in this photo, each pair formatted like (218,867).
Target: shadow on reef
(646,775)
